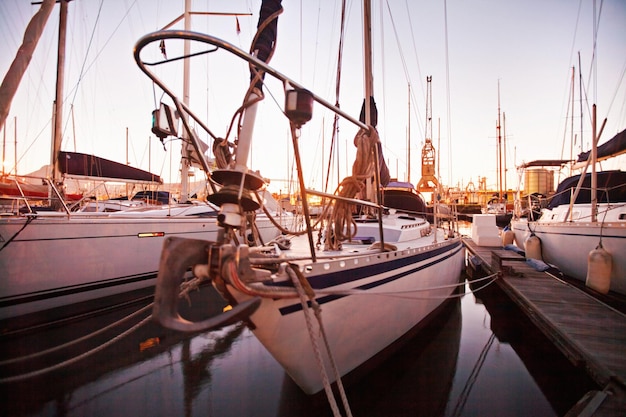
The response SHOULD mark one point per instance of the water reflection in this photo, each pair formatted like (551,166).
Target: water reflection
(559,381)
(478,356)
(416,380)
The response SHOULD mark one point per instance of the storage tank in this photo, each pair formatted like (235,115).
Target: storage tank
(539,180)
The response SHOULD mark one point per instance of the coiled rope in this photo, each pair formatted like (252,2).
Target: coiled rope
(341,225)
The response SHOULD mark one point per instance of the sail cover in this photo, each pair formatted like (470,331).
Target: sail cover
(611,189)
(83,165)
(613,147)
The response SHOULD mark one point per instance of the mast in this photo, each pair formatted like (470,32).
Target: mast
(594,157)
(4,147)
(499,155)
(580,91)
(504,151)
(15,145)
(409,140)
(367,58)
(571,147)
(185,157)
(58,101)
(369,91)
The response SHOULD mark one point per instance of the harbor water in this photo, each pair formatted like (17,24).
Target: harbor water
(478,356)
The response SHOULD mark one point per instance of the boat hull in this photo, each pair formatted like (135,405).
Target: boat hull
(411,283)
(567,246)
(57,261)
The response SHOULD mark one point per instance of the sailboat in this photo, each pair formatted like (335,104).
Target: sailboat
(56,264)
(583,228)
(360,279)
(497,204)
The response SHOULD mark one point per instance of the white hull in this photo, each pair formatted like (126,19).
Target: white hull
(370,294)
(56,260)
(411,283)
(567,244)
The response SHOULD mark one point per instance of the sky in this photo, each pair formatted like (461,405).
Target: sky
(486,58)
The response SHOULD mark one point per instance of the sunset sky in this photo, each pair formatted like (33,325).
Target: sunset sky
(527,48)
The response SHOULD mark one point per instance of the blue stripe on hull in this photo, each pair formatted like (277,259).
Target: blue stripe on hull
(369,271)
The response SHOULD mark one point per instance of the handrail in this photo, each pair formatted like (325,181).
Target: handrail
(26,199)
(220,44)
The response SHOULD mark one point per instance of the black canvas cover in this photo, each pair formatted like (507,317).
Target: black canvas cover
(403,200)
(611,187)
(80,164)
(613,147)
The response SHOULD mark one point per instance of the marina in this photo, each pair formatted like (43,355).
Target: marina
(479,356)
(591,334)
(353,291)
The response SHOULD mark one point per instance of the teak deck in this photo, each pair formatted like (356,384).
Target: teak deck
(591,334)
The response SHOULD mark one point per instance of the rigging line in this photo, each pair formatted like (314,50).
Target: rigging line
(567,119)
(10,22)
(334,138)
(403,60)
(419,69)
(571,53)
(594,58)
(619,82)
(445,8)
(105,44)
(82,69)
(37,137)
(383,61)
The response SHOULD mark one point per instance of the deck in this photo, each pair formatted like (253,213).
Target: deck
(590,333)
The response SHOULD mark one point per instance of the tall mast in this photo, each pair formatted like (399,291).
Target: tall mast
(58,102)
(594,158)
(185,160)
(367,58)
(499,156)
(4,147)
(504,150)
(408,169)
(369,91)
(571,147)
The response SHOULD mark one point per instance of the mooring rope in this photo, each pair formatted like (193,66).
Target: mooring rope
(29,219)
(186,287)
(75,359)
(262,290)
(298,281)
(75,341)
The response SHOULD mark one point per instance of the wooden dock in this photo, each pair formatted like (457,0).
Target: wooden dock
(590,333)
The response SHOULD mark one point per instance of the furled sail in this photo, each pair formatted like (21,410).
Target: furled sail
(14,75)
(385,177)
(263,45)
